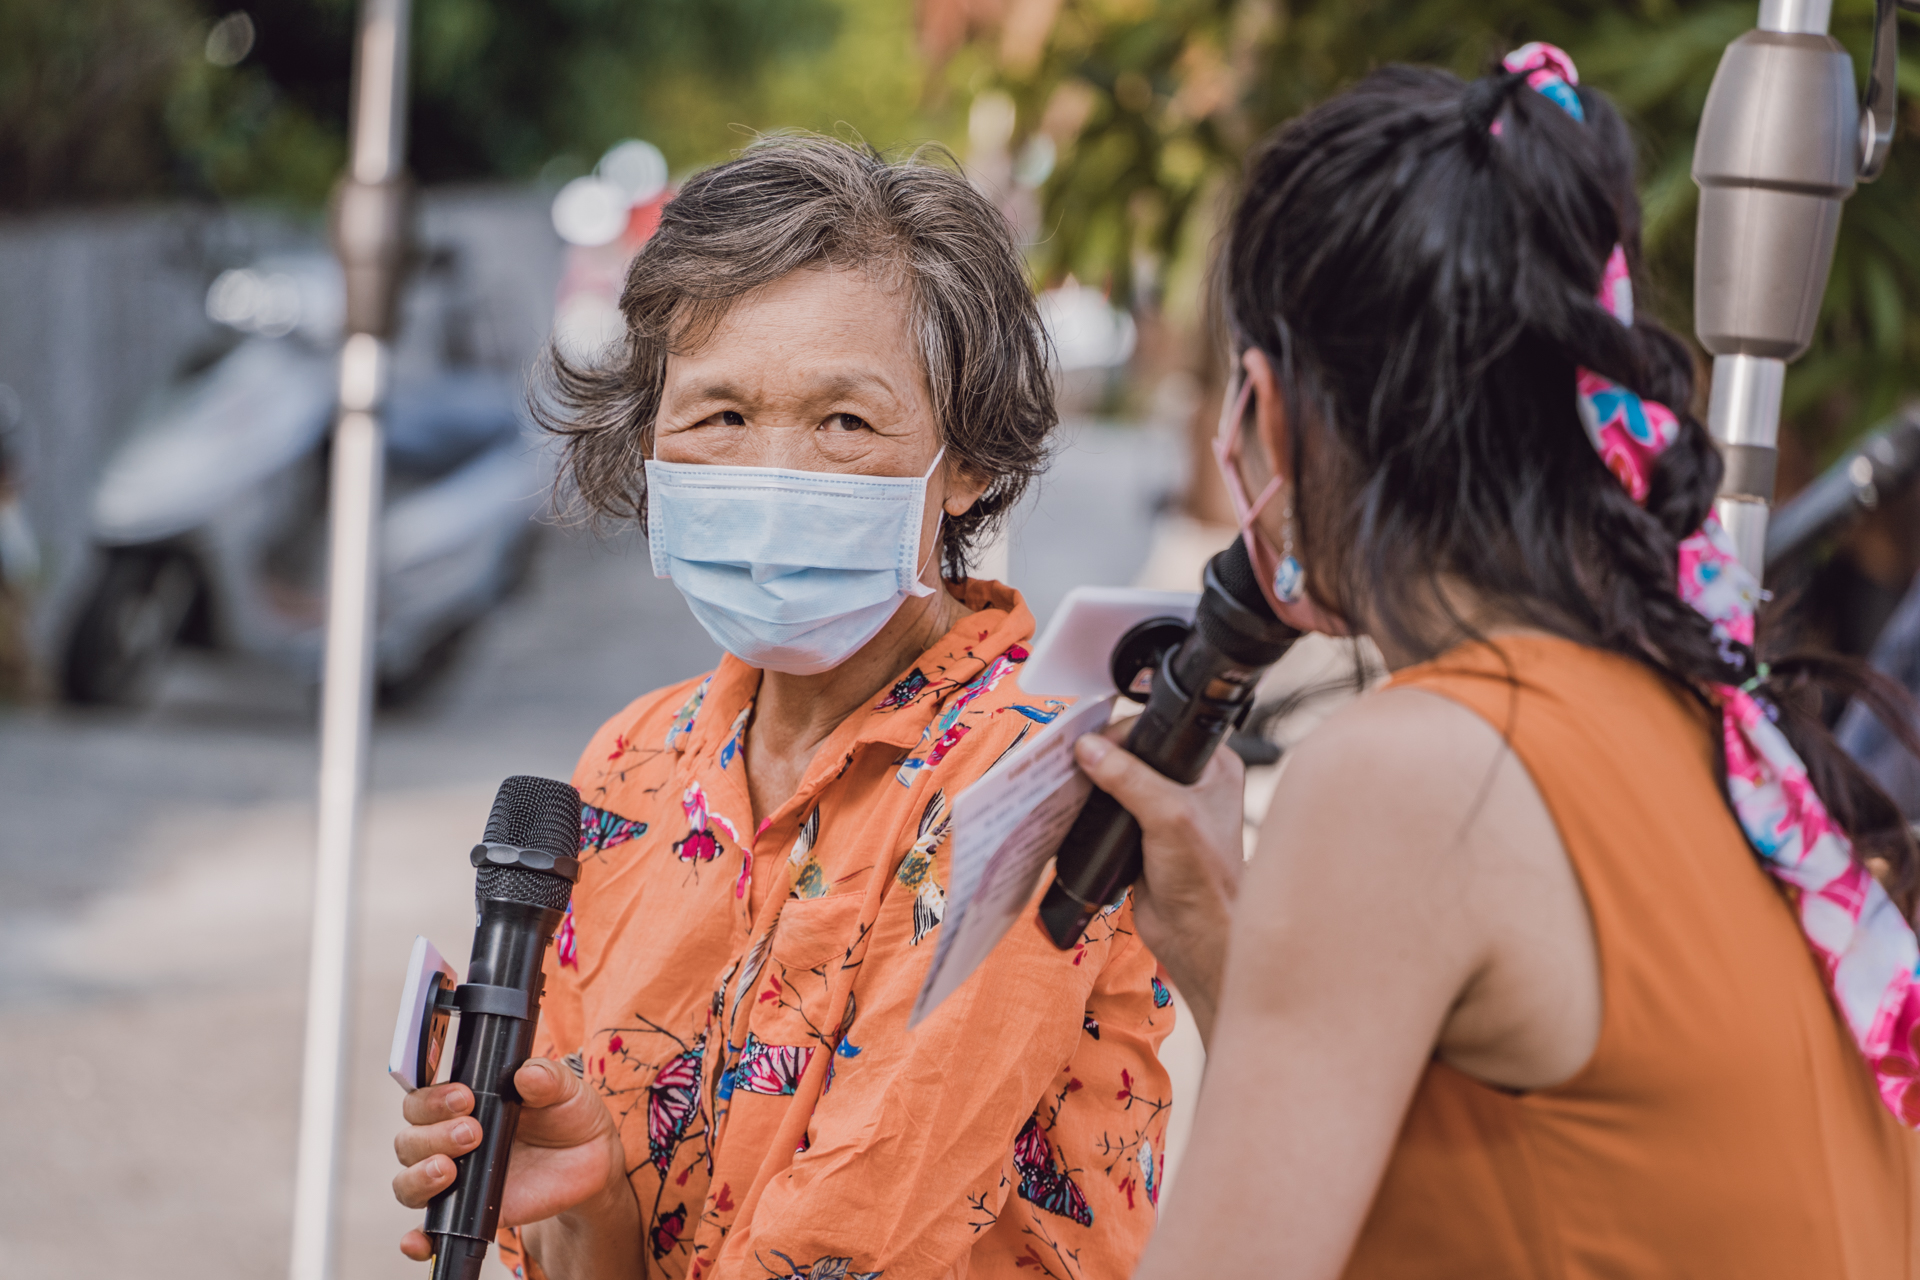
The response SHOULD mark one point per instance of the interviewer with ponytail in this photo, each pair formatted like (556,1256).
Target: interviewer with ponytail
(1578,950)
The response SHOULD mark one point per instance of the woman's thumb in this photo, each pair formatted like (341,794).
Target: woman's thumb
(1120,774)
(1095,754)
(542,1082)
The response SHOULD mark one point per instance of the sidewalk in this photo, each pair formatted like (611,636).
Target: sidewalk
(151,1130)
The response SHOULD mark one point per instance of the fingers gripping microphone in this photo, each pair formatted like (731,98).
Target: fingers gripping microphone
(527,870)
(1203,688)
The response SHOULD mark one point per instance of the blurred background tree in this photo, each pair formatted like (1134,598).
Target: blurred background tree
(1138,112)
(105,100)
(1112,128)
(1129,116)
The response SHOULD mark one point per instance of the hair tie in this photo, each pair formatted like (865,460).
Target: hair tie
(1866,949)
(1485,98)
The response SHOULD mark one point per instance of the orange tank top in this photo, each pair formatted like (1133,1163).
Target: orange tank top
(1726,1124)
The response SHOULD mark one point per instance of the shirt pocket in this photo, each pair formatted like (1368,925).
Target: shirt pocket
(809,939)
(812,932)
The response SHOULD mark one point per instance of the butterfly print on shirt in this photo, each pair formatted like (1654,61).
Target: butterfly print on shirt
(736,736)
(916,869)
(683,718)
(601,829)
(809,879)
(566,943)
(773,1069)
(904,691)
(672,1102)
(947,729)
(700,844)
(818,1269)
(1042,1182)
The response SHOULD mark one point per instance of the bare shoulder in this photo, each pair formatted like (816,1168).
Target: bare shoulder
(1404,827)
(1371,815)
(1395,758)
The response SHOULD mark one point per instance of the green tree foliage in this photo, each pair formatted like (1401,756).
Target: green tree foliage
(1149,104)
(115,99)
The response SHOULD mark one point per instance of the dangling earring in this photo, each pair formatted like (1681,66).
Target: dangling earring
(1289,577)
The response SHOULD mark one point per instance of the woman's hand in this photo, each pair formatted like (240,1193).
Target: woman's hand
(1193,850)
(566,1157)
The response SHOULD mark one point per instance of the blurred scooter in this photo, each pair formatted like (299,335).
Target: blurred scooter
(211,519)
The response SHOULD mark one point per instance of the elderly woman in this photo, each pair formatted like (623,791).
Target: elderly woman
(834,382)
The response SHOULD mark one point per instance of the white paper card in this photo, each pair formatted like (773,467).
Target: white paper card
(426,971)
(1005,828)
(1072,658)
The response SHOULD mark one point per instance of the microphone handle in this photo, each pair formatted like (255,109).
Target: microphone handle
(509,944)
(1176,735)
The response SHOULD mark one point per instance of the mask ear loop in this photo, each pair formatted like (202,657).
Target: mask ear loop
(1226,454)
(920,590)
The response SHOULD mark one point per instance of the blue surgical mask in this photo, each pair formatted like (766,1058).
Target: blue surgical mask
(790,571)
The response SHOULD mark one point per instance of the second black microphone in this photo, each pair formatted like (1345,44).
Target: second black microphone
(1203,689)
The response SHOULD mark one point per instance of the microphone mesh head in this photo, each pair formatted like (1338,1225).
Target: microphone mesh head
(1235,568)
(517,884)
(531,813)
(536,813)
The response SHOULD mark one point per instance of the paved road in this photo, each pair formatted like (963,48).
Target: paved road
(153,918)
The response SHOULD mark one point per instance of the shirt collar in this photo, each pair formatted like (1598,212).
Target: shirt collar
(998,621)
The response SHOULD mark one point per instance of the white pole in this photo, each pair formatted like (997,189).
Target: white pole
(369,216)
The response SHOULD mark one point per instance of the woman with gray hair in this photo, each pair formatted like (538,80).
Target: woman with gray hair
(833,385)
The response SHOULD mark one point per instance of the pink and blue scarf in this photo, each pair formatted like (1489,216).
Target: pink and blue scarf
(1865,947)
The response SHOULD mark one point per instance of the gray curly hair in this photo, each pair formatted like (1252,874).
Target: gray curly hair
(802,200)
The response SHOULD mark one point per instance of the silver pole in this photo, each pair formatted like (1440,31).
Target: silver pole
(1743,414)
(1797,17)
(368,217)
(1775,161)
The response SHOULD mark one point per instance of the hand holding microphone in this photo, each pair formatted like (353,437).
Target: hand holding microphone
(1192,855)
(1203,688)
(501,1111)
(565,1159)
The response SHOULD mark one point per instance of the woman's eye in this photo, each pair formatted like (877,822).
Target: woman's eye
(731,418)
(848,422)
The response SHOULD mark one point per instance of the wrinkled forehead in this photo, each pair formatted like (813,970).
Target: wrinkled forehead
(840,334)
(840,287)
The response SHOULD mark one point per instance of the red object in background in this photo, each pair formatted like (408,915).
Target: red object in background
(586,306)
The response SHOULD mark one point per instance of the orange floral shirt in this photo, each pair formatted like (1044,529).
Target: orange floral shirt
(739,996)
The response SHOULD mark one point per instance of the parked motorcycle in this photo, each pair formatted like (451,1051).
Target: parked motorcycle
(211,519)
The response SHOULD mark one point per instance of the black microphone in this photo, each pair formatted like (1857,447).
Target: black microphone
(528,866)
(1202,689)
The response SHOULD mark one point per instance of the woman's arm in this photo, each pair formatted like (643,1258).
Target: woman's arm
(1360,924)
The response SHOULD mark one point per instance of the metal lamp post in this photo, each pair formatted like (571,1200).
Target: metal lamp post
(368,222)
(1782,144)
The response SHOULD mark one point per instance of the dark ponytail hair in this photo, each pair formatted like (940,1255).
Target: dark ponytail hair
(1426,288)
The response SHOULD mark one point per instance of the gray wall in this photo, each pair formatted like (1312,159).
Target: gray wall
(99,309)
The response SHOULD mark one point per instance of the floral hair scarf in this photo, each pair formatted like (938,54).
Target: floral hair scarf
(1865,947)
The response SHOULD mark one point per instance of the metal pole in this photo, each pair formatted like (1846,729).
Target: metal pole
(368,215)
(1775,162)
(1782,143)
